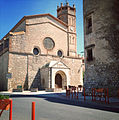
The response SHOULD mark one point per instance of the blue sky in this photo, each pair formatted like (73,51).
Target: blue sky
(11,11)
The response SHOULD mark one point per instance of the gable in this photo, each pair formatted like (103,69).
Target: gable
(43,19)
(57,64)
(38,28)
(44,15)
(20,26)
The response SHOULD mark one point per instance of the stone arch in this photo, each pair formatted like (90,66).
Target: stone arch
(60,79)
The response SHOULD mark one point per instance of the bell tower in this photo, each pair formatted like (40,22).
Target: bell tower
(67,14)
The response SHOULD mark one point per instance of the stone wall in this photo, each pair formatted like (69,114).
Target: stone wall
(103,70)
(3,71)
(44,78)
(36,63)
(18,67)
(18,43)
(26,69)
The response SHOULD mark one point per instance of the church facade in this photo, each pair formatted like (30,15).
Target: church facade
(41,52)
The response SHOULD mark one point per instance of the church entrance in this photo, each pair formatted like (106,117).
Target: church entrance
(58,81)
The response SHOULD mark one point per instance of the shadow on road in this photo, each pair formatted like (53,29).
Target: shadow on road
(57,98)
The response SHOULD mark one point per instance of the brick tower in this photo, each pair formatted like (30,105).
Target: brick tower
(67,14)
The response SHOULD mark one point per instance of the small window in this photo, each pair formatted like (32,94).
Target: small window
(35,51)
(89,24)
(59,53)
(89,55)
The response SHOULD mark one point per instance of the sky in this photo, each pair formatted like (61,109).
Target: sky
(11,11)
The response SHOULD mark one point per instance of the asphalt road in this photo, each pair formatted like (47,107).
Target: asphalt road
(55,109)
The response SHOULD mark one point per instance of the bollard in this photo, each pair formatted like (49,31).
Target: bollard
(66,92)
(92,94)
(72,94)
(107,95)
(10,111)
(77,93)
(118,93)
(84,94)
(33,110)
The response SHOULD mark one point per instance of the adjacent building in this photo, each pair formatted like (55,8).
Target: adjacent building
(101,41)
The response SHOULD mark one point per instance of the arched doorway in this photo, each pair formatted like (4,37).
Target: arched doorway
(58,81)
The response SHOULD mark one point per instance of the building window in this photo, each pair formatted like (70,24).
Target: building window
(48,43)
(89,54)
(89,24)
(36,51)
(60,53)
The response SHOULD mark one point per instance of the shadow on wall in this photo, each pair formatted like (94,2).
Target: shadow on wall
(26,83)
(0,85)
(3,83)
(37,81)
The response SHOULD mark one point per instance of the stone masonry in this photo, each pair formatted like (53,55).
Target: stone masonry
(102,67)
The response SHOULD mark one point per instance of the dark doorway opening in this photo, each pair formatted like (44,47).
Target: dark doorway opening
(58,81)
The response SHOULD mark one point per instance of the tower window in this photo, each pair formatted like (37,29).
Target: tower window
(89,24)
(89,54)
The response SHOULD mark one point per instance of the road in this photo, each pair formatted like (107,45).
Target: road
(55,109)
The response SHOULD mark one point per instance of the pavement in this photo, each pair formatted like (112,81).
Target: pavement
(113,105)
(56,106)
